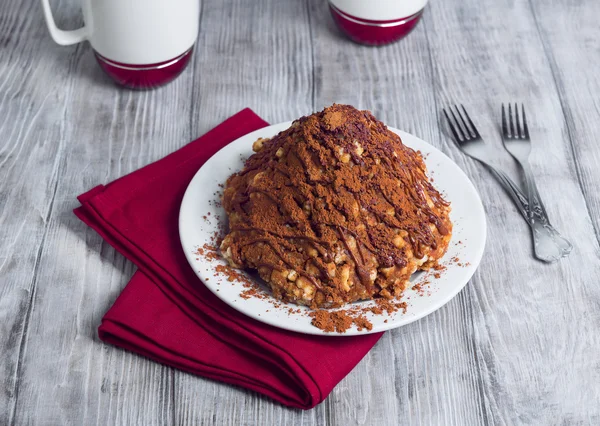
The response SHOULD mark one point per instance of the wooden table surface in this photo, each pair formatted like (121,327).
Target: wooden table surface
(519,345)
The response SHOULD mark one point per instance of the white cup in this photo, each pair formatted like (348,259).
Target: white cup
(380,10)
(145,42)
(376,22)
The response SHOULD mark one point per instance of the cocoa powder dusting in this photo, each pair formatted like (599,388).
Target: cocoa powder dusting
(341,320)
(333,210)
(361,323)
(247,294)
(391,307)
(233,274)
(329,321)
(209,252)
(338,321)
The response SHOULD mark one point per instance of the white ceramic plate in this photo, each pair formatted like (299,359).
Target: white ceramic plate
(202,198)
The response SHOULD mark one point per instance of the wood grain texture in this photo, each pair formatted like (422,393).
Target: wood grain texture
(63,374)
(530,319)
(569,34)
(518,346)
(31,158)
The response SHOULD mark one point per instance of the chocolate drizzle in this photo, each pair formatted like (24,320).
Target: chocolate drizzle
(335,189)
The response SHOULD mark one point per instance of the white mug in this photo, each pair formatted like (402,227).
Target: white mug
(140,43)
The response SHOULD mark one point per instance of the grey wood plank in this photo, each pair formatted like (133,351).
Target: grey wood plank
(67,376)
(31,159)
(531,320)
(569,32)
(252,55)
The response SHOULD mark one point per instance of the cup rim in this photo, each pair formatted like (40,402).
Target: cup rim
(381,24)
(143,67)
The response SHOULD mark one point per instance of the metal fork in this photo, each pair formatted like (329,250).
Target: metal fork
(469,141)
(515,137)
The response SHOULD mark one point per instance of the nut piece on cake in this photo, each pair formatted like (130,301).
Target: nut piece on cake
(333,210)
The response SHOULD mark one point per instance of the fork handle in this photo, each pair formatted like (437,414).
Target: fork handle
(548,244)
(533,196)
(513,191)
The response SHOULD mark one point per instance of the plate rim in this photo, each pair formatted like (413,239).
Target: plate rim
(478,255)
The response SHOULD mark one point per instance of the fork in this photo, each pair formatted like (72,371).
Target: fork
(516,140)
(469,141)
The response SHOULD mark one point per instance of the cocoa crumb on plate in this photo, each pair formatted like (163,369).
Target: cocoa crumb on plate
(329,321)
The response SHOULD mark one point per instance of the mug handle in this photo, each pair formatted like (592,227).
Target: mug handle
(62,37)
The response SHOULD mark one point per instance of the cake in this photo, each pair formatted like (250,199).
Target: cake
(333,210)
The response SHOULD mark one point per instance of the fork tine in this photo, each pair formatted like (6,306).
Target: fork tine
(468,133)
(510,122)
(525,128)
(452,128)
(504,125)
(457,125)
(463,130)
(475,131)
(518,133)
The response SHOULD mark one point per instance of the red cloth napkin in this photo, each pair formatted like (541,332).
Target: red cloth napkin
(165,312)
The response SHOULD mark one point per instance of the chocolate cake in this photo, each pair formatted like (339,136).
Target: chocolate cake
(333,210)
